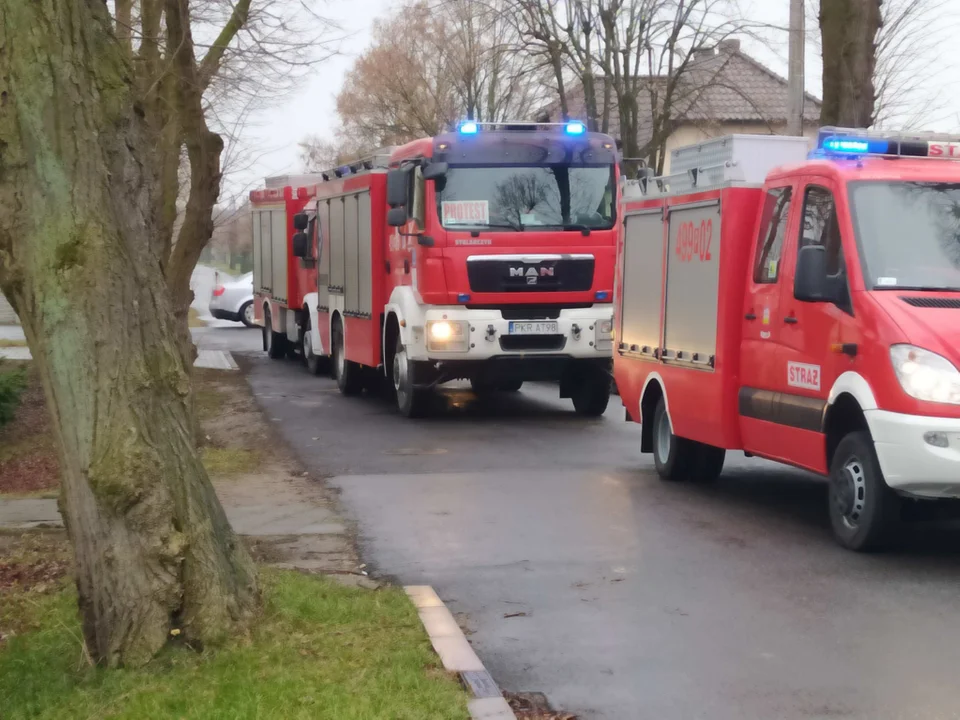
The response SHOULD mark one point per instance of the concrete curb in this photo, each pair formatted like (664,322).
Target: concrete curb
(458,656)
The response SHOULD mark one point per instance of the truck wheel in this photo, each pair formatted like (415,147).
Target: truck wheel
(276,344)
(864,511)
(511,385)
(591,394)
(671,455)
(411,402)
(482,388)
(316,364)
(707,463)
(246,314)
(349,374)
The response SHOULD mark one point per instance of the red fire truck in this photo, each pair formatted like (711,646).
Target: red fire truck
(808,314)
(485,254)
(280,280)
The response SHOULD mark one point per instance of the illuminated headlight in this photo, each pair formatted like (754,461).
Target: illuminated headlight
(925,375)
(448,336)
(603,335)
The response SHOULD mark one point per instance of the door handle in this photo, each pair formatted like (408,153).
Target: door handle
(406,266)
(791,320)
(750,316)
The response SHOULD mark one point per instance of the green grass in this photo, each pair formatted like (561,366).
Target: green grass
(319,650)
(12,343)
(229,461)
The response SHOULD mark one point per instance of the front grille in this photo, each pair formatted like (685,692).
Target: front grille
(553,274)
(530,312)
(517,343)
(931,302)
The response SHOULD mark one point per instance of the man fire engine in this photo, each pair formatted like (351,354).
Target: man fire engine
(484,254)
(808,314)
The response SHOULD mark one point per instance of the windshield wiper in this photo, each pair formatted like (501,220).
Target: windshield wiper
(505,226)
(584,229)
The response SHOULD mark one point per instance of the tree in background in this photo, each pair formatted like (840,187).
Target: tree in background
(463,63)
(633,60)
(96,112)
(848,32)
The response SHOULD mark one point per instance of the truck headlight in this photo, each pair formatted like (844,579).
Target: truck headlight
(448,336)
(925,375)
(603,335)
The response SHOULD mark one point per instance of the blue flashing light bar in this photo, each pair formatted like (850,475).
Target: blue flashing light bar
(469,128)
(855,145)
(575,128)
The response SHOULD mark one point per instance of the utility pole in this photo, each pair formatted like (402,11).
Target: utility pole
(795,72)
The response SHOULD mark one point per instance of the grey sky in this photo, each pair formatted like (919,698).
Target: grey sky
(312,110)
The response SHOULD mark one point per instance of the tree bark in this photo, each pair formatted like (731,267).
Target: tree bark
(154,551)
(848,30)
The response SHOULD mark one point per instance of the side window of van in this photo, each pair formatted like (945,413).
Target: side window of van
(821,227)
(773,230)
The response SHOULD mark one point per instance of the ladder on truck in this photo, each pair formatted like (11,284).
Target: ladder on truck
(745,159)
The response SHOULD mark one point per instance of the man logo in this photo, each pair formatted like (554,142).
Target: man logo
(531,274)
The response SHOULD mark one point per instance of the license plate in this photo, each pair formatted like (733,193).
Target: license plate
(534,328)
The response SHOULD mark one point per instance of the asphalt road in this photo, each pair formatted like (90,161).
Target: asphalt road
(585,577)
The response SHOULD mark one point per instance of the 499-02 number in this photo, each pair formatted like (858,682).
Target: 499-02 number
(694,240)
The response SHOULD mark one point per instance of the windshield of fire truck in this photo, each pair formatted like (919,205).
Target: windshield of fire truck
(528,198)
(908,234)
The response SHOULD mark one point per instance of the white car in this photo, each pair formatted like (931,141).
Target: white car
(234,300)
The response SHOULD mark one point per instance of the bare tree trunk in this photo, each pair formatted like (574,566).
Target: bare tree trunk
(848,29)
(203,150)
(154,551)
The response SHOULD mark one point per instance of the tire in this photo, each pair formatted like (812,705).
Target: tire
(276,344)
(671,454)
(482,388)
(315,364)
(411,402)
(510,386)
(679,458)
(592,394)
(864,511)
(349,374)
(707,463)
(246,314)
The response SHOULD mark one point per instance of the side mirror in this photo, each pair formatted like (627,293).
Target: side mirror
(810,282)
(301,244)
(397,187)
(435,170)
(397,217)
(300,221)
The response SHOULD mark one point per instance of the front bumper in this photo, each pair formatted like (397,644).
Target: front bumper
(579,334)
(909,461)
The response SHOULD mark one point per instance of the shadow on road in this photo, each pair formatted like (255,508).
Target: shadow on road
(797,500)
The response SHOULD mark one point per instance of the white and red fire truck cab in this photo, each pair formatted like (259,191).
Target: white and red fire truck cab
(811,316)
(484,254)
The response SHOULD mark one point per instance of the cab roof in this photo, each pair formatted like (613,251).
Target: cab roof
(846,169)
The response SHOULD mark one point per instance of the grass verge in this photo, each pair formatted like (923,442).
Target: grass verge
(12,343)
(319,650)
(193,318)
(229,461)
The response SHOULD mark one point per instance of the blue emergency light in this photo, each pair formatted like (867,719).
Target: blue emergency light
(469,128)
(851,142)
(575,128)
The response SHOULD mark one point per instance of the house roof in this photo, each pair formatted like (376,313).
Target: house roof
(721,85)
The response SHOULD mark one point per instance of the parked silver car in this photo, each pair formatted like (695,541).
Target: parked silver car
(234,300)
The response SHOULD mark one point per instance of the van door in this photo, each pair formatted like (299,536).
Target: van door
(760,344)
(819,339)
